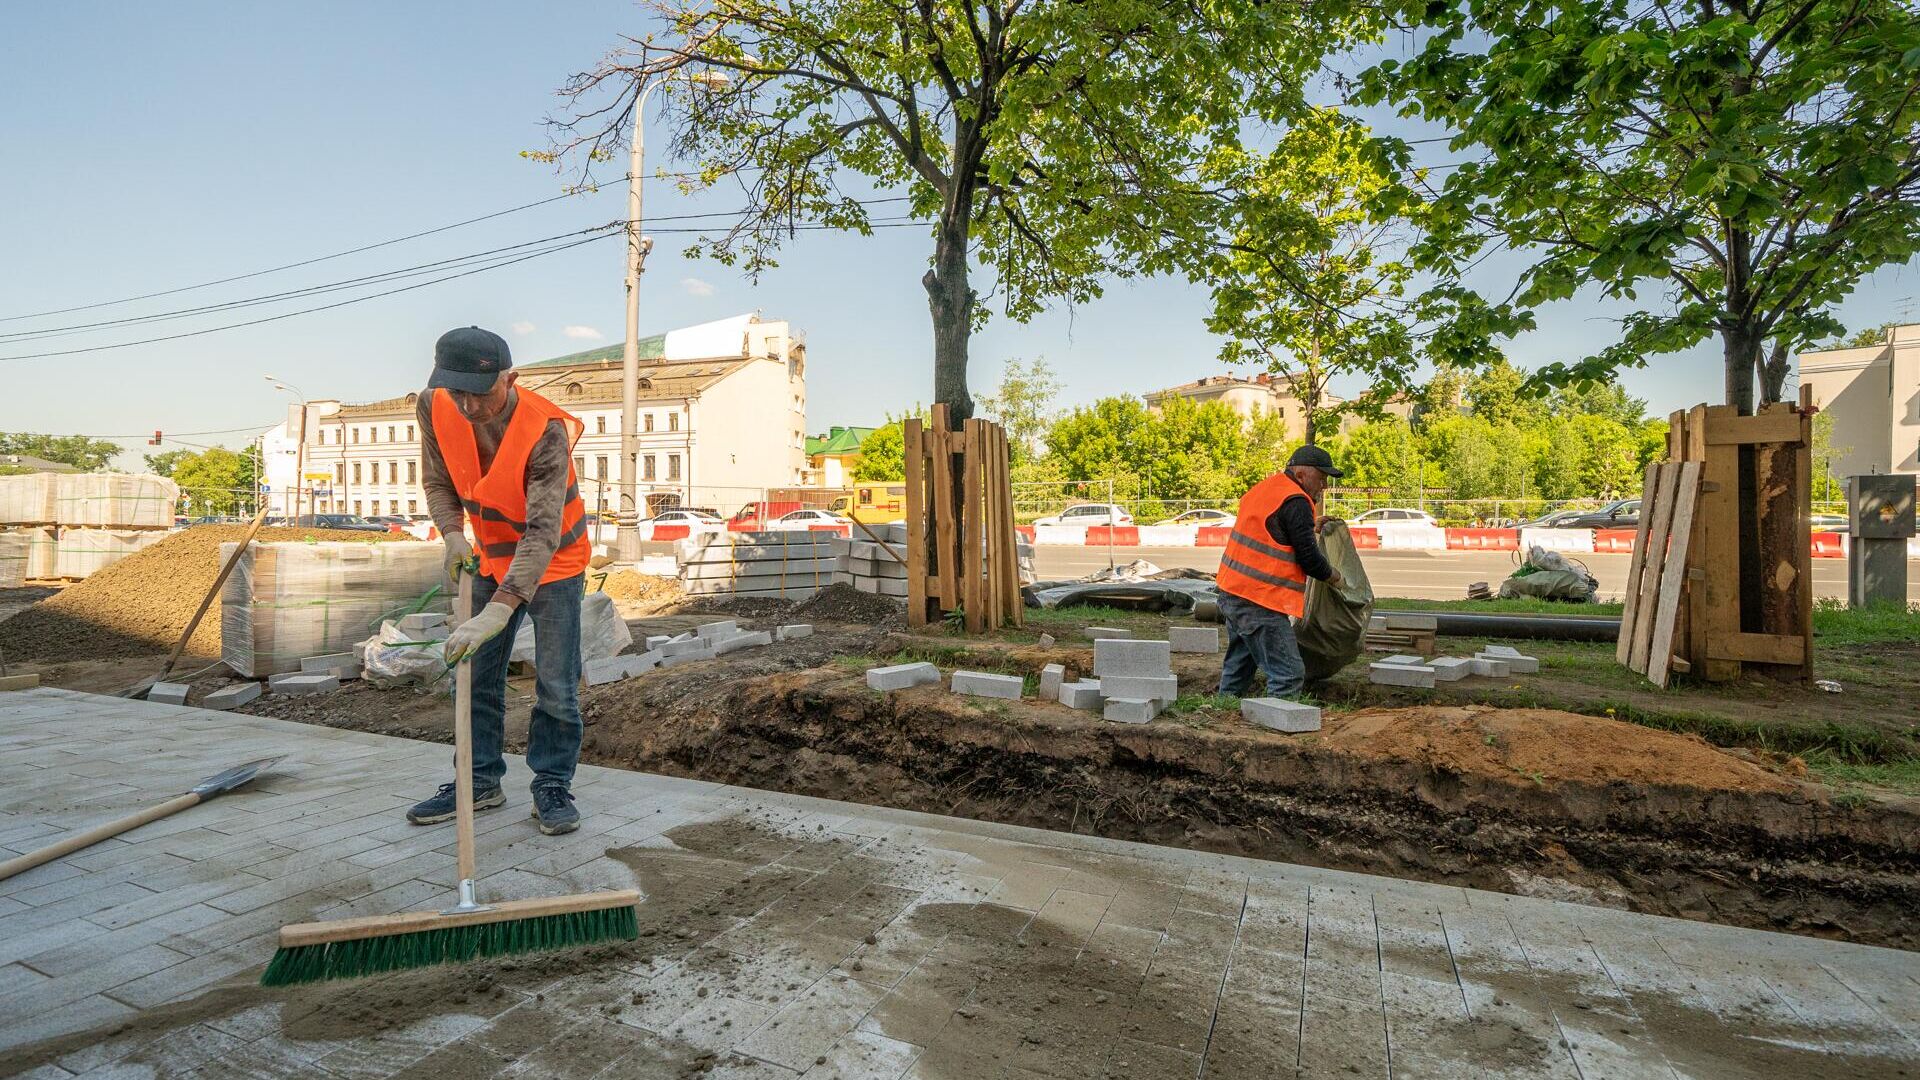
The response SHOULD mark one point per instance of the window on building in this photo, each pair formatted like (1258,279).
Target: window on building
(600,424)
(673,466)
(356,506)
(409,432)
(356,436)
(413,471)
(647,422)
(390,430)
(673,421)
(356,474)
(413,506)
(393,506)
(600,463)
(579,468)
(373,436)
(393,472)
(340,473)
(646,467)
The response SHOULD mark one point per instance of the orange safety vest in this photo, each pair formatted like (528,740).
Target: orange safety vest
(1254,566)
(496,499)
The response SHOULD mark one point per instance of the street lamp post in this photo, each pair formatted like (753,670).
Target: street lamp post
(299,447)
(627,536)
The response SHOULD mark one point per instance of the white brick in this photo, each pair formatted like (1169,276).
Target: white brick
(168,693)
(988,684)
(702,647)
(1101,633)
(1084,695)
(328,664)
(1402,658)
(794,632)
(1516,663)
(1160,688)
(901,676)
(715,630)
(1122,711)
(231,697)
(1385,674)
(1143,658)
(1052,677)
(1450,668)
(1489,667)
(301,685)
(1194,639)
(654,641)
(1278,714)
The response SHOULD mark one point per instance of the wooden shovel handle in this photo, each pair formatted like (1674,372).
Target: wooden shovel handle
(463,737)
(96,834)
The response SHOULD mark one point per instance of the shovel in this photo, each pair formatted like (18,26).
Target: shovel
(217,784)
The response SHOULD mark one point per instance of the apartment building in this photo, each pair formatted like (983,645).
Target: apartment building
(1873,395)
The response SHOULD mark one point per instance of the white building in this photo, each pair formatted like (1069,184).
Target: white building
(1873,395)
(722,417)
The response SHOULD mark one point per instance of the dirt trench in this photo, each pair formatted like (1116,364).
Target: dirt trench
(1751,847)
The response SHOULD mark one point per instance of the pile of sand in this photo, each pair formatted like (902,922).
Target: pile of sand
(140,604)
(648,591)
(1544,746)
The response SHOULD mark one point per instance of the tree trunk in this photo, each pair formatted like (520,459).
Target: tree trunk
(1773,372)
(1739,347)
(950,300)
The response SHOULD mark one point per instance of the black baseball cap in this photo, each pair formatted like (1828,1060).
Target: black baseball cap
(469,359)
(1315,457)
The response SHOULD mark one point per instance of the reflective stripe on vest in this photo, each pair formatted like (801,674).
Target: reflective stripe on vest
(1253,566)
(495,498)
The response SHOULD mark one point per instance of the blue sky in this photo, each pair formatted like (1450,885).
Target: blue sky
(152,146)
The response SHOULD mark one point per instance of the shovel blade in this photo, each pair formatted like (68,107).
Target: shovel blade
(220,783)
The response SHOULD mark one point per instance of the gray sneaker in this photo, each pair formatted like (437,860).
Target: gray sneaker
(553,805)
(440,807)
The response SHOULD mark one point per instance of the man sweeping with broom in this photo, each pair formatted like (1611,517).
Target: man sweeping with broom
(501,457)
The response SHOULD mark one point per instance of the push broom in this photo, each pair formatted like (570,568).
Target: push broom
(469,930)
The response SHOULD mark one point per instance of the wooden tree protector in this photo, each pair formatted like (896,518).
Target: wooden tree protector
(1682,496)
(1714,609)
(1643,569)
(1658,517)
(1015,608)
(1804,459)
(973,527)
(945,530)
(916,468)
(1781,509)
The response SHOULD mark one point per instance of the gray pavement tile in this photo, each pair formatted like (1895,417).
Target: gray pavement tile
(86,1014)
(1343,1037)
(811,1023)
(864,1055)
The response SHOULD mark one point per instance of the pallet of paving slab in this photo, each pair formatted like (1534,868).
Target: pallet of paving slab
(1421,642)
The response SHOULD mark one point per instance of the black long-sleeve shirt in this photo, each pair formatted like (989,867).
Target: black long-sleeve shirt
(1292,525)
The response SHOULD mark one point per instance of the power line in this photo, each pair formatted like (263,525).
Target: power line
(141,435)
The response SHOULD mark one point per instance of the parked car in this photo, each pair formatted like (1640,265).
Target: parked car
(1619,514)
(351,522)
(1393,515)
(685,517)
(806,519)
(1834,523)
(1089,514)
(1549,521)
(1200,517)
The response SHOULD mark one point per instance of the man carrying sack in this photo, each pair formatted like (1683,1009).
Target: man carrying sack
(1270,554)
(500,459)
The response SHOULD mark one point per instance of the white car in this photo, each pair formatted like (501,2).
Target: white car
(801,520)
(1200,517)
(685,517)
(1089,514)
(1394,516)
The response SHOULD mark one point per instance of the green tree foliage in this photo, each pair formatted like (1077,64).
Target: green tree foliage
(215,480)
(1610,400)
(164,462)
(1866,336)
(1383,454)
(1182,450)
(1828,485)
(1023,405)
(1499,394)
(83,453)
(1751,162)
(1058,144)
(1443,394)
(883,454)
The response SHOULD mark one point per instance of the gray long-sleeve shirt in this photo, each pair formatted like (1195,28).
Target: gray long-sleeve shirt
(546,490)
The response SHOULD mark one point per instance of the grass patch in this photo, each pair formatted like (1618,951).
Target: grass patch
(1899,777)
(1520,605)
(1835,624)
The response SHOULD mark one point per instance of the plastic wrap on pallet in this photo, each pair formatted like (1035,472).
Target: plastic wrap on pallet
(27,500)
(789,565)
(15,544)
(114,500)
(78,553)
(285,601)
(42,551)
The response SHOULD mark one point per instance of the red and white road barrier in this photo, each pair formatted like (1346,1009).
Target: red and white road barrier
(1394,536)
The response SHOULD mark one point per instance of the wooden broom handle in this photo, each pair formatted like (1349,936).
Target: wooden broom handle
(463,737)
(96,834)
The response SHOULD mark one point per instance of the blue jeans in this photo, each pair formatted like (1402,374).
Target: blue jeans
(553,735)
(1260,639)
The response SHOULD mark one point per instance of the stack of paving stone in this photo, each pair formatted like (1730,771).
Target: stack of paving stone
(1494,661)
(779,565)
(871,566)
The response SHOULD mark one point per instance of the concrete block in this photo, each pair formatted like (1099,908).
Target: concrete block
(1450,668)
(1406,620)
(1403,658)
(793,632)
(19,682)
(1490,667)
(274,681)
(1206,610)
(1160,688)
(1121,657)
(676,659)
(1385,674)
(1516,663)
(168,693)
(1051,678)
(1279,714)
(1124,711)
(231,697)
(742,641)
(902,676)
(1101,633)
(601,672)
(1046,641)
(328,664)
(302,685)
(1502,652)
(988,684)
(686,647)
(1194,639)
(425,620)
(1083,695)
(654,641)
(715,630)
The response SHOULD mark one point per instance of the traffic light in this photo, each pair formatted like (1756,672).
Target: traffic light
(155,441)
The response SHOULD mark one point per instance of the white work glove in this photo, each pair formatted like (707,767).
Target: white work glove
(458,551)
(467,638)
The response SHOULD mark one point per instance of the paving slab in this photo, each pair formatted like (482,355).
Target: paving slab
(786,936)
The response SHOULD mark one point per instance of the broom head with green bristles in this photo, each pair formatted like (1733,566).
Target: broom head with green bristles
(349,948)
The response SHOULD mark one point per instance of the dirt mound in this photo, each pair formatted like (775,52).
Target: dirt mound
(1545,746)
(841,602)
(646,591)
(141,603)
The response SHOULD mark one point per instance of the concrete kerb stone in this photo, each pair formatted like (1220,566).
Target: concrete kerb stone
(327,664)
(716,630)
(1501,651)
(1194,639)
(231,697)
(793,632)
(654,641)
(302,685)
(1450,668)
(1106,633)
(1083,695)
(686,647)
(1046,641)
(1382,673)
(1124,711)
(1403,658)
(988,684)
(742,641)
(1161,688)
(424,620)
(1516,663)
(1052,677)
(601,672)
(902,676)
(1279,714)
(1114,656)
(1490,667)
(168,693)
